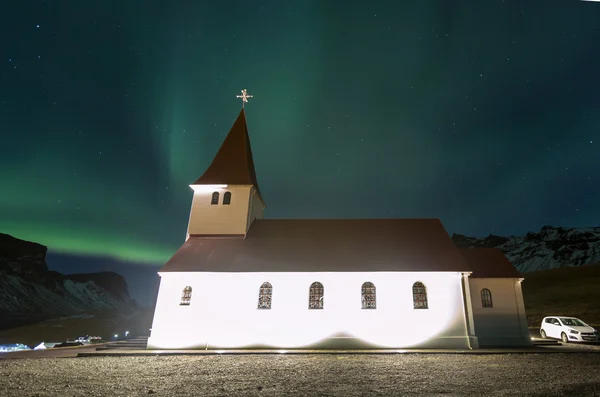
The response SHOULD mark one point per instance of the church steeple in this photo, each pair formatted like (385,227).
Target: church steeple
(226,197)
(233,164)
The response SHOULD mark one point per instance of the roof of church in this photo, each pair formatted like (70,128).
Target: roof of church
(325,245)
(233,164)
(489,263)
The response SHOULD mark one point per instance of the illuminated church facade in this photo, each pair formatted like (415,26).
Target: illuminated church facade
(244,282)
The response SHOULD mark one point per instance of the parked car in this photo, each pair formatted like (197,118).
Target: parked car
(567,329)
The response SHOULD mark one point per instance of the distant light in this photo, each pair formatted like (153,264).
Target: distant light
(37,26)
(116,335)
(126,333)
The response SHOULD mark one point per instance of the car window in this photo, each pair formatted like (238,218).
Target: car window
(555,321)
(573,322)
(548,320)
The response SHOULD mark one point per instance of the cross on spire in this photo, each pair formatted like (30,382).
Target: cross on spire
(244,97)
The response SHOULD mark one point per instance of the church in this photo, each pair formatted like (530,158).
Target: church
(240,281)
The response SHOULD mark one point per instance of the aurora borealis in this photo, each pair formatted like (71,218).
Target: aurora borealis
(484,114)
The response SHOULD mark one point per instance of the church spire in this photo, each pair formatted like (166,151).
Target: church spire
(233,164)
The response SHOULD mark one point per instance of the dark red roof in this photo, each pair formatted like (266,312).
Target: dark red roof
(323,245)
(489,263)
(233,164)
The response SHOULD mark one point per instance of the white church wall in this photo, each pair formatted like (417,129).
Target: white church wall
(505,323)
(206,218)
(223,312)
(256,208)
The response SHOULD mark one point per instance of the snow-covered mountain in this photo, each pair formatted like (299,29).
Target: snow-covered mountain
(30,292)
(551,247)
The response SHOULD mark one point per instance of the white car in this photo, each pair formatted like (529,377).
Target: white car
(567,329)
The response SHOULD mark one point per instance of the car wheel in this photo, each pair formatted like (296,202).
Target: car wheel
(564,338)
(543,334)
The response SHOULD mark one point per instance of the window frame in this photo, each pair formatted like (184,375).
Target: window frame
(265,296)
(227,198)
(419,296)
(368,296)
(186,296)
(316,295)
(486,298)
(214,200)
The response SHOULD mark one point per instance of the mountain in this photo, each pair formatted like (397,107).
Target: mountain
(550,248)
(29,292)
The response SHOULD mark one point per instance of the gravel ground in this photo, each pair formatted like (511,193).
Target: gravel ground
(306,375)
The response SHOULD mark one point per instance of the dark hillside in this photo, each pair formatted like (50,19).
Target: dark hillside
(30,293)
(568,291)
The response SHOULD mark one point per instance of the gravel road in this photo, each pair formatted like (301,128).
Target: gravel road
(306,375)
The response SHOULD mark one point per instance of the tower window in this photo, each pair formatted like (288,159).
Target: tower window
(315,296)
(227,198)
(369,299)
(215,198)
(186,297)
(486,298)
(419,296)
(264,296)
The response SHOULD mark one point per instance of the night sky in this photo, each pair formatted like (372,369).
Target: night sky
(485,114)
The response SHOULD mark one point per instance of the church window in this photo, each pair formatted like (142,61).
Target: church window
(215,198)
(486,298)
(368,296)
(264,296)
(186,297)
(227,198)
(419,296)
(315,298)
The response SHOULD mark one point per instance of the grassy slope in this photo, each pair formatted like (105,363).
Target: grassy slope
(569,291)
(99,323)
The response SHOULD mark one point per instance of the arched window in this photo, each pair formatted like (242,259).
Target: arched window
(369,299)
(186,297)
(419,296)
(215,198)
(486,298)
(315,297)
(227,198)
(264,295)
